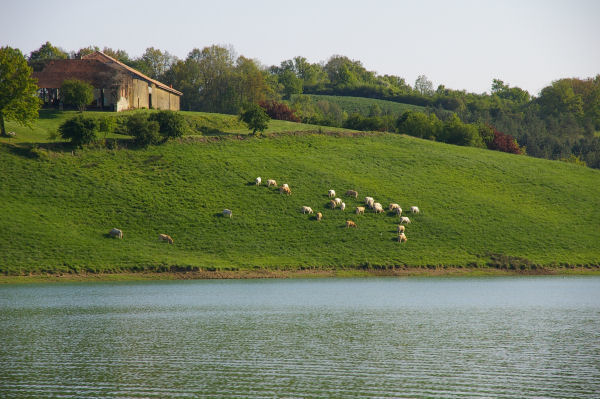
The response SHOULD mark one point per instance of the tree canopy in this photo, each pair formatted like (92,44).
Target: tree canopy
(18,90)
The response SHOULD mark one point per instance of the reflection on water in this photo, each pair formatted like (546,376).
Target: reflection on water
(502,337)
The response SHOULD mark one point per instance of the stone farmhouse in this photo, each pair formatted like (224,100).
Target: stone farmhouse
(117,87)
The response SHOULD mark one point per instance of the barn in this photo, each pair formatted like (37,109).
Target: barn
(117,87)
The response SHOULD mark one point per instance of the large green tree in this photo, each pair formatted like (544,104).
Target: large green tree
(18,91)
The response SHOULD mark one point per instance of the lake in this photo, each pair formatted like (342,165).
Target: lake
(514,337)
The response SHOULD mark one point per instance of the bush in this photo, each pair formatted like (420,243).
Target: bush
(279,111)
(459,133)
(359,122)
(171,123)
(505,143)
(418,124)
(144,131)
(80,130)
(77,93)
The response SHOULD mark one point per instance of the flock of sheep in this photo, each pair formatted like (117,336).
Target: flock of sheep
(337,202)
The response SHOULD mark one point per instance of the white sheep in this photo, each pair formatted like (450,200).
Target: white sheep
(258,180)
(285,185)
(405,220)
(331,193)
(360,209)
(271,182)
(394,206)
(319,216)
(352,193)
(402,238)
(338,201)
(227,213)
(368,199)
(307,209)
(343,206)
(414,209)
(400,228)
(398,211)
(371,203)
(116,233)
(377,207)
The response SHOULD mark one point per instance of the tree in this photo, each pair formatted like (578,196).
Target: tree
(40,57)
(18,92)
(256,118)
(84,51)
(80,130)
(154,63)
(77,93)
(424,86)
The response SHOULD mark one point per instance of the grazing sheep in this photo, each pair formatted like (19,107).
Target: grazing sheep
(338,201)
(258,181)
(116,233)
(350,223)
(394,206)
(319,216)
(285,185)
(352,193)
(398,211)
(227,213)
(331,193)
(285,190)
(332,204)
(377,207)
(414,209)
(11,134)
(402,238)
(343,206)
(371,203)
(404,219)
(400,228)
(165,237)
(368,199)
(271,182)
(307,209)
(360,209)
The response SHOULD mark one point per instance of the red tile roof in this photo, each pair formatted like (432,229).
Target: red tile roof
(100,56)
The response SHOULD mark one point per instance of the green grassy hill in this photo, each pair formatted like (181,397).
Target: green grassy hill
(362,105)
(477,206)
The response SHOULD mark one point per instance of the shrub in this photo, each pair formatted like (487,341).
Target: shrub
(506,143)
(457,132)
(80,130)
(359,122)
(419,124)
(144,131)
(279,111)
(106,125)
(77,93)
(171,123)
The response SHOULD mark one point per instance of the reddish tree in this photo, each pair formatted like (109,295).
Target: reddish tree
(505,142)
(279,111)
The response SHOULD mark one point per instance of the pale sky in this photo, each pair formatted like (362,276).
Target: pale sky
(463,44)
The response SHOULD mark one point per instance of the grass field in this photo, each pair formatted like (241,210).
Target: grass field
(362,105)
(202,123)
(477,206)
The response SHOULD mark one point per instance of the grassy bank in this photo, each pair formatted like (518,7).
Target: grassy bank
(478,207)
(363,106)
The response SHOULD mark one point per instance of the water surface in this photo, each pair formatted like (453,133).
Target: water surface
(519,337)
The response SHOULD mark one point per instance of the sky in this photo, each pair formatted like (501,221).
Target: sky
(462,44)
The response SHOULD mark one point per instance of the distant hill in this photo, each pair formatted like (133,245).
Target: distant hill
(478,207)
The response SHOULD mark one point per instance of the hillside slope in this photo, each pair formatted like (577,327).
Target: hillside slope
(475,205)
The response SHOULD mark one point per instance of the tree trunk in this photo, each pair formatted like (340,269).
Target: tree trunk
(2,128)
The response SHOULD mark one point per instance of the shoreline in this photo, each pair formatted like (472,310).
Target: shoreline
(289,274)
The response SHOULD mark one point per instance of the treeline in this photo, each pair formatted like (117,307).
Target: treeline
(561,123)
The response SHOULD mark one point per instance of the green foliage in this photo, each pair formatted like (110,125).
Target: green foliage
(255,118)
(18,91)
(80,130)
(459,133)
(418,124)
(77,93)
(144,131)
(172,124)
(574,160)
(473,203)
(424,86)
(40,57)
